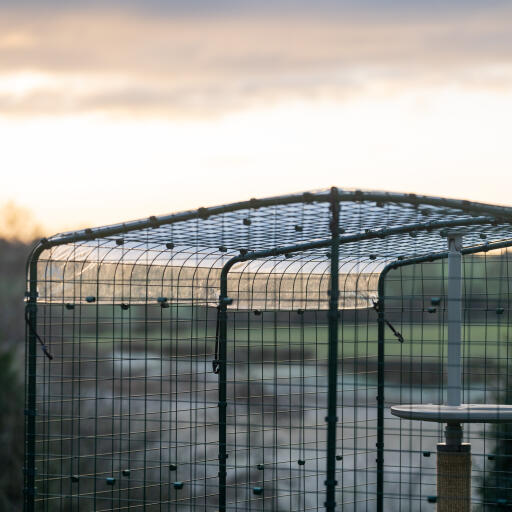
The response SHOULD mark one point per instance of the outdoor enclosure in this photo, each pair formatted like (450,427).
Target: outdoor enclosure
(245,357)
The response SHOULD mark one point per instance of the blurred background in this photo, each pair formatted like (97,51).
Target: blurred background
(113,110)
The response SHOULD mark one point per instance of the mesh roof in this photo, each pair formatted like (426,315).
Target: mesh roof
(283,243)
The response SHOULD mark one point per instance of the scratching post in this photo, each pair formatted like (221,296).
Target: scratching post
(453,472)
(453,479)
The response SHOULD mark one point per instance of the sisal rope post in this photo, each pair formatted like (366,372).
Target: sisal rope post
(453,478)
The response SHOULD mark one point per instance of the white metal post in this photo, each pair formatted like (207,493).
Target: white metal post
(454,319)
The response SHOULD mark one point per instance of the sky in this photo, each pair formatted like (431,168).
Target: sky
(116,110)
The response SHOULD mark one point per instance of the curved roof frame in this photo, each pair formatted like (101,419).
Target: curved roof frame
(471,214)
(500,213)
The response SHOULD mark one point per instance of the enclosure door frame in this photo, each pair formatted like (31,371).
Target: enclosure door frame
(381,329)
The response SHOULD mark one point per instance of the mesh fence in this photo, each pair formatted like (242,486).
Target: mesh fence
(245,357)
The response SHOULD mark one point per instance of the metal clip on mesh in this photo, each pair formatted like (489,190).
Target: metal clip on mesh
(397,334)
(32,329)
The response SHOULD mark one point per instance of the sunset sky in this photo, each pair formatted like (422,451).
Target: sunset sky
(115,110)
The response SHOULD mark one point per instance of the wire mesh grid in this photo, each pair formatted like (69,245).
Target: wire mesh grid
(194,361)
(415,372)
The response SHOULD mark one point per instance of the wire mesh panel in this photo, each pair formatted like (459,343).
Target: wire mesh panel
(277,398)
(127,411)
(357,411)
(243,357)
(415,372)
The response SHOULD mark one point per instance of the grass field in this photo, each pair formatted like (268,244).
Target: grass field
(359,340)
(491,341)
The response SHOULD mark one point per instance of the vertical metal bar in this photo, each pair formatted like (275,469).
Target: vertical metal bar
(380,391)
(30,411)
(224,301)
(454,318)
(454,457)
(332,391)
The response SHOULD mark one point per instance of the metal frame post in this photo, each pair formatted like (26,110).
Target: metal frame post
(30,410)
(454,296)
(332,391)
(454,456)
(224,301)
(380,388)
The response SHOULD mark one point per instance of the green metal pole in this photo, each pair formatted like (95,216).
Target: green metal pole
(380,390)
(224,301)
(332,419)
(30,409)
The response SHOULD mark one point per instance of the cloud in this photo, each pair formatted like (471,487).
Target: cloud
(250,6)
(172,60)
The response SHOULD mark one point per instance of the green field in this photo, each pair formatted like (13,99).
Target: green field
(360,340)
(429,340)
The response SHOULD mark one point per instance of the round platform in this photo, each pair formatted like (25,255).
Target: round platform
(465,413)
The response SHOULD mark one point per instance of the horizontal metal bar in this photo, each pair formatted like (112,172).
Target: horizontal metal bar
(361,236)
(440,255)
